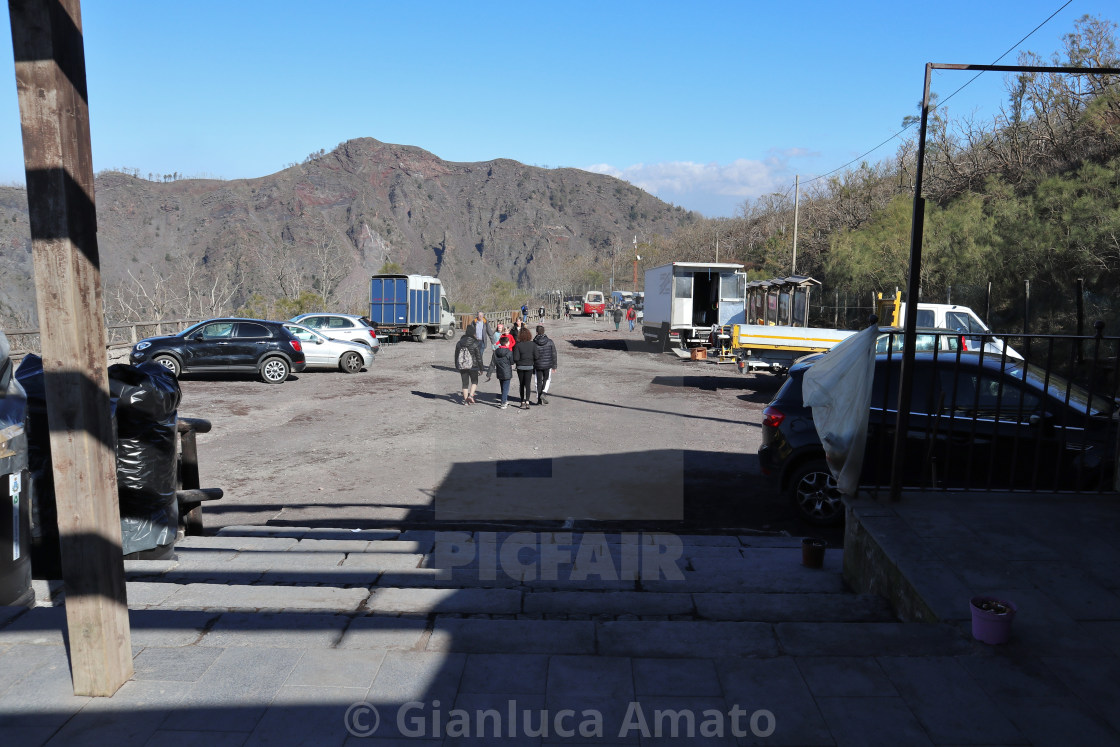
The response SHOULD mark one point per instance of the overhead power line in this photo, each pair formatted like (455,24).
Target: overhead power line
(946,99)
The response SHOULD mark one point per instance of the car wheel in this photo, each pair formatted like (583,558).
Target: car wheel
(815,495)
(350,362)
(419,334)
(169,363)
(275,370)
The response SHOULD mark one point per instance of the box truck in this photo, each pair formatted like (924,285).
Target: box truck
(410,305)
(684,300)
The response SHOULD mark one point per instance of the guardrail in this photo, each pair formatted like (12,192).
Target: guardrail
(24,341)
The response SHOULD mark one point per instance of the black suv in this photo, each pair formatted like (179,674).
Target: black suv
(975,422)
(226,345)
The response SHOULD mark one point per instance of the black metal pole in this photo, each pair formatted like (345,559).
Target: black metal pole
(1080,317)
(906,377)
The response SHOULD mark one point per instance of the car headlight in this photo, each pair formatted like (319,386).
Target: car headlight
(143,345)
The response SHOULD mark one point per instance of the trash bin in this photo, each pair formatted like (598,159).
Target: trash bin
(15,515)
(46,555)
(144,401)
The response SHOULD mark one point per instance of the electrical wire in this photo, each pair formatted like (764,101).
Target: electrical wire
(946,99)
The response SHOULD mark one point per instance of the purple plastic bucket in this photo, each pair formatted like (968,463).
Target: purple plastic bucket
(989,626)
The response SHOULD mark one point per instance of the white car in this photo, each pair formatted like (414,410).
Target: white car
(321,351)
(341,327)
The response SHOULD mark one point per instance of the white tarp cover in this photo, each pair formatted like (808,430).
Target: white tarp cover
(838,388)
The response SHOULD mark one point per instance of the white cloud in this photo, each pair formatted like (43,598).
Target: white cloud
(711,188)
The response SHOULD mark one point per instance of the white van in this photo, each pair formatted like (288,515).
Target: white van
(957,318)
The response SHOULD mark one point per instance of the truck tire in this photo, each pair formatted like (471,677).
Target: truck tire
(449,334)
(419,334)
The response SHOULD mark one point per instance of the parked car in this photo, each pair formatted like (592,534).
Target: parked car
(341,327)
(226,345)
(974,423)
(325,352)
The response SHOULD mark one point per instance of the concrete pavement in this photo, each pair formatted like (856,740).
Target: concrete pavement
(298,636)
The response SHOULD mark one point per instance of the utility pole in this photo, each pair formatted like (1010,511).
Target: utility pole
(796,205)
(636,258)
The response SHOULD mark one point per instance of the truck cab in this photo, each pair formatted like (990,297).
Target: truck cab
(976,334)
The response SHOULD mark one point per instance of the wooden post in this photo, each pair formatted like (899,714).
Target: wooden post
(54,115)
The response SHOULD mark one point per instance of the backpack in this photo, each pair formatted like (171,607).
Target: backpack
(464,358)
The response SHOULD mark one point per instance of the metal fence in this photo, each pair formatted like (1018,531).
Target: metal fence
(1035,413)
(24,341)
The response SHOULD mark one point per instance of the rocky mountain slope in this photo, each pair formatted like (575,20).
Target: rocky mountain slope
(354,208)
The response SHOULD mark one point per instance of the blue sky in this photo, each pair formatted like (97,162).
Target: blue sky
(704,104)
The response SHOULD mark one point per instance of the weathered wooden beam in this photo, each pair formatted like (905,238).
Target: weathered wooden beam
(54,116)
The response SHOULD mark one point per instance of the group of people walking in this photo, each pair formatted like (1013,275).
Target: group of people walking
(511,350)
(617,315)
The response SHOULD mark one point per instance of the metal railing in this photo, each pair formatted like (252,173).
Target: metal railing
(24,341)
(998,412)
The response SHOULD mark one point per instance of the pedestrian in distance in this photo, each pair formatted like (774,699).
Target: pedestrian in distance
(616,315)
(525,313)
(523,363)
(502,363)
(484,334)
(631,316)
(468,362)
(568,312)
(540,314)
(544,362)
(499,330)
(515,329)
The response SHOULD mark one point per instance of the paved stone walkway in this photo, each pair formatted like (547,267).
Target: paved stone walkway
(294,636)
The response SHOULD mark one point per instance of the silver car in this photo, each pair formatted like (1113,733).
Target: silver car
(340,327)
(321,351)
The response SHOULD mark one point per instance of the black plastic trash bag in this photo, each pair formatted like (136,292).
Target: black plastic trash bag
(146,401)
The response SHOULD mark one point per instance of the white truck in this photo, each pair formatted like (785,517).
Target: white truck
(774,346)
(947,316)
(684,300)
(410,305)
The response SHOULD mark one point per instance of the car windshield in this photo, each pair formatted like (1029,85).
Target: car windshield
(1058,387)
(302,333)
(191,328)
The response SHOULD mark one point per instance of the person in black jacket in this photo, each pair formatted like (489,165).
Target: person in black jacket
(544,361)
(502,361)
(468,362)
(523,362)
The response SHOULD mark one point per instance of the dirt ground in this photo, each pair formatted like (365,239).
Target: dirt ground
(630,439)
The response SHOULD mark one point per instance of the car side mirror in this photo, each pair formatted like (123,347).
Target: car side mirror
(318,340)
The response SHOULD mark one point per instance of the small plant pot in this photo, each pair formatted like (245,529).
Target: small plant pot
(991,619)
(812,552)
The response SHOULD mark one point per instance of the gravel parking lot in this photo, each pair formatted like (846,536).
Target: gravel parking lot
(629,436)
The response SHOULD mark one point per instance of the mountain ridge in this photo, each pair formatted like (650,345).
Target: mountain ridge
(356,207)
